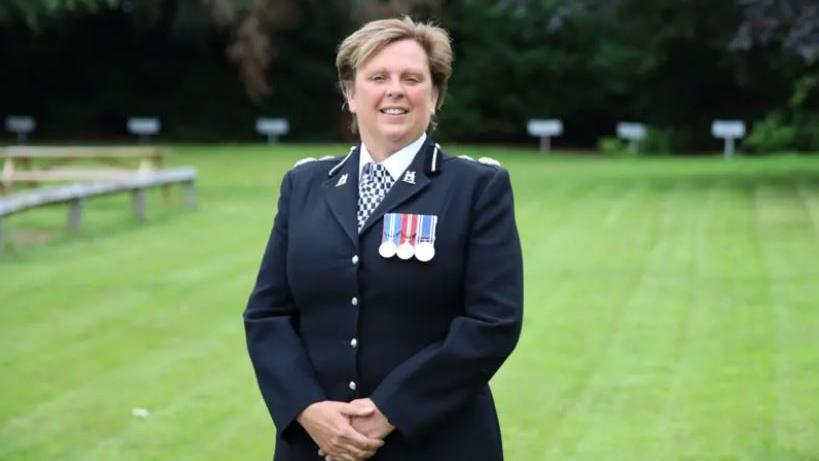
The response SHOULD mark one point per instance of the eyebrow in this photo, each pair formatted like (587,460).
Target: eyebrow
(414,72)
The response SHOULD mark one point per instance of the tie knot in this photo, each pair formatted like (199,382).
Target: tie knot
(375,170)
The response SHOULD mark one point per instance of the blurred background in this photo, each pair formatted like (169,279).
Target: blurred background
(671,293)
(209,68)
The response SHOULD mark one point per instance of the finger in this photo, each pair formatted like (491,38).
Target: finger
(357,409)
(361,441)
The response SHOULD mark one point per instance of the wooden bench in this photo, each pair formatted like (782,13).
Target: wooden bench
(118,163)
(75,195)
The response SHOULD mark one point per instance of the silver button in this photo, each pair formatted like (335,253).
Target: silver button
(355,259)
(352,385)
(355,301)
(353,343)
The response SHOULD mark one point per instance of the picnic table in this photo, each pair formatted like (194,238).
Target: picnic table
(35,164)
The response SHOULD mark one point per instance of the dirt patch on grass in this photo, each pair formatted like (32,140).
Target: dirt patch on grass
(33,235)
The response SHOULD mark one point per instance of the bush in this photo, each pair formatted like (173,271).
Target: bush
(657,141)
(771,134)
(611,145)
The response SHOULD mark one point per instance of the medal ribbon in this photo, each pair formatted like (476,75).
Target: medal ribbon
(426,229)
(391,228)
(409,226)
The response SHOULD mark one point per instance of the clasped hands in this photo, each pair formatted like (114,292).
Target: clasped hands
(346,431)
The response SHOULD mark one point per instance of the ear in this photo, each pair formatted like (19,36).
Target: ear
(349,95)
(434,100)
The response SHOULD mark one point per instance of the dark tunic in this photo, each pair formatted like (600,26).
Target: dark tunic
(429,335)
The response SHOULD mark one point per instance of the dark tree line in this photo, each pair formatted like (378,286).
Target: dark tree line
(208,68)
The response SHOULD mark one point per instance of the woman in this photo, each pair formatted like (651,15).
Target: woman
(391,287)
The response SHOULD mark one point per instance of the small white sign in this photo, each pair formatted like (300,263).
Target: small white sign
(545,127)
(20,123)
(272,126)
(631,131)
(143,126)
(728,128)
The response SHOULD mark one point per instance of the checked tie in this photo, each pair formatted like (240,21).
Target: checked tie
(374,184)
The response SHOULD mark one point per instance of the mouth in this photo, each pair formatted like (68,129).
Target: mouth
(393,111)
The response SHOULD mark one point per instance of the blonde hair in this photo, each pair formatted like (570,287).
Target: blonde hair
(375,35)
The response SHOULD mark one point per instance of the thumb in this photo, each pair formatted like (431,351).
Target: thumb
(357,409)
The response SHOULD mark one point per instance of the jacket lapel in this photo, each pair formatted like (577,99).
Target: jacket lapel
(341,192)
(412,181)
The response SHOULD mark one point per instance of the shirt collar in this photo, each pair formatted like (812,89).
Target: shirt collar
(395,163)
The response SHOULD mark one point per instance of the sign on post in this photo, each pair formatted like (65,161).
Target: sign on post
(144,127)
(272,128)
(632,132)
(729,130)
(545,129)
(21,125)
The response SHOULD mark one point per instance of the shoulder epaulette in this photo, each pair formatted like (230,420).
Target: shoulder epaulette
(304,160)
(489,161)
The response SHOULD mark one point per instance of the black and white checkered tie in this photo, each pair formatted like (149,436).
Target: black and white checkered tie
(374,184)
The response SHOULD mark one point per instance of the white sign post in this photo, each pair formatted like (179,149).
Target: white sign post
(728,130)
(632,132)
(22,125)
(545,129)
(144,127)
(272,128)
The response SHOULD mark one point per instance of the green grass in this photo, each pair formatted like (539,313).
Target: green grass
(672,313)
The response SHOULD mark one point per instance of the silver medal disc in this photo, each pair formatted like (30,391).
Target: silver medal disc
(387,249)
(405,251)
(425,251)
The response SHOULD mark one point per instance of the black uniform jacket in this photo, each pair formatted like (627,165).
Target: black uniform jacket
(428,335)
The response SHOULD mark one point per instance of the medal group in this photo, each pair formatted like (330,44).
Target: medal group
(407,235)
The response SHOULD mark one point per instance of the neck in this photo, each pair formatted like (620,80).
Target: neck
(381,149)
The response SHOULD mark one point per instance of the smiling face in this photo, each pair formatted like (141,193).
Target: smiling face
(392,97)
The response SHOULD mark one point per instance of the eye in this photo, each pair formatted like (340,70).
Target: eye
(377,78)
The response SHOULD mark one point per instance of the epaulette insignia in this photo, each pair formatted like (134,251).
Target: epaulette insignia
(466,157)
(304,160)
(489,161)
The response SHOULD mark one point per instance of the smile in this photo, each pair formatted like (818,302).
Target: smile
(393,111)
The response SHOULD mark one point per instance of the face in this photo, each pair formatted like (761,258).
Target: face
(392,97)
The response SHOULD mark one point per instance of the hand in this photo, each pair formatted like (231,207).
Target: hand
(373,424)
(328,424)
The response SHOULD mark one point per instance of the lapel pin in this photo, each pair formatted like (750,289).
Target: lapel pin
(342,180)
(409,177)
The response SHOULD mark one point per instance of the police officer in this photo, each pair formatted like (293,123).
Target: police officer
(391,287)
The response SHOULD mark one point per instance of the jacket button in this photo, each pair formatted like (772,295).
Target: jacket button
(353,343)
(355,259)
(352,385)
(354,301)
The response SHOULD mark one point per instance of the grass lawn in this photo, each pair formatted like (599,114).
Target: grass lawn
(672,313)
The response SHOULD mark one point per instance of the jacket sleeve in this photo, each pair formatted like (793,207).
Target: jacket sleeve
(441,378)
(283,370)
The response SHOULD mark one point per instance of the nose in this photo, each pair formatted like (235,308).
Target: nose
(395,89)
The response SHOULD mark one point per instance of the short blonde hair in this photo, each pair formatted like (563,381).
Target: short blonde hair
(375,35)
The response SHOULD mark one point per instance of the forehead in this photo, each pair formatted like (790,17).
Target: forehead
(404,54)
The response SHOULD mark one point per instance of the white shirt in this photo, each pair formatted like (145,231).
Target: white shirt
(395,163)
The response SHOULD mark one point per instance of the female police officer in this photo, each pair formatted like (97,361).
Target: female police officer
(391,287)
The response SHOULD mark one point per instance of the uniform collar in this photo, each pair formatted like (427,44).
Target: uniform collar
(397,162)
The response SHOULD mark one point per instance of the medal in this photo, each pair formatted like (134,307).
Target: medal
(425,238)
(409,223)
(388,247)
(425,252)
